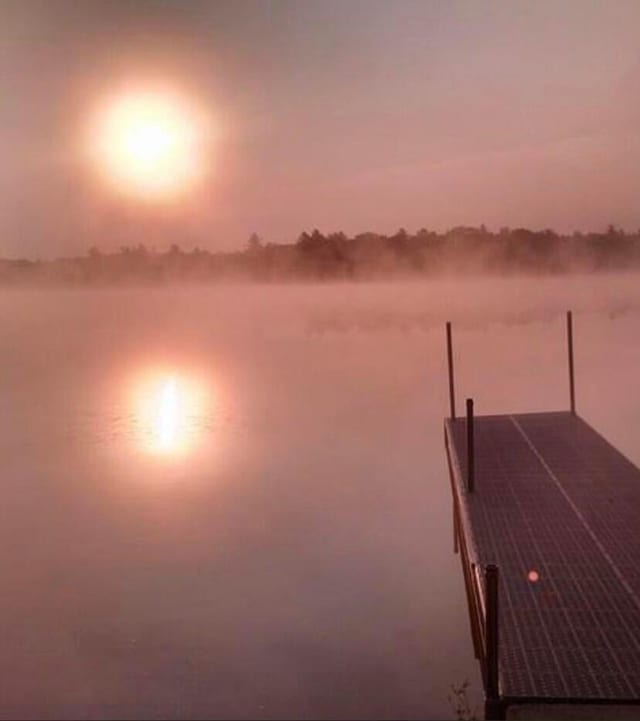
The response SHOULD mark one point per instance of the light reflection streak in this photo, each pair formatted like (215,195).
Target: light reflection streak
(171,412)
(168,421)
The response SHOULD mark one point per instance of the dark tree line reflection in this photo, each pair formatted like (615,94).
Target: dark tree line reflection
(335,256)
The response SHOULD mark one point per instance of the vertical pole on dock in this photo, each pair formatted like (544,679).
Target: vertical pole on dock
(456,547)
(470,449)
(572,392)
(452,396)
(491,635)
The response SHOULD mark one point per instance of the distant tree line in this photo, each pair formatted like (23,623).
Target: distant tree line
(335,256)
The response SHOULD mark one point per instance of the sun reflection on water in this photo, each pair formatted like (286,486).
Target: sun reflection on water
(172,413)
(169,416)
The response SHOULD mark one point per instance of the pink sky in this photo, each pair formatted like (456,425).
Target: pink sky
(351,116)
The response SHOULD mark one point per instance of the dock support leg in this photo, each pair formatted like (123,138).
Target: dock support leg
(452,395)
(493,706)
(455,527)
(470,448)
(572,391)
(494,710)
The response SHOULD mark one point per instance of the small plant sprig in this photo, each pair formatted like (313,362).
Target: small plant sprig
(460,702)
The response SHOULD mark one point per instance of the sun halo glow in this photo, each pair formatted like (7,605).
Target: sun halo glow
(153,145)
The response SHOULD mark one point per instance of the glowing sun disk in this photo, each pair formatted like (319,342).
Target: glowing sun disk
(150,144)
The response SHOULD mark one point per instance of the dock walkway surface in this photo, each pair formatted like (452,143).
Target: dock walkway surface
(557,509)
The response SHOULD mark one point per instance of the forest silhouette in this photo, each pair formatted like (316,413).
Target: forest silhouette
(316,256)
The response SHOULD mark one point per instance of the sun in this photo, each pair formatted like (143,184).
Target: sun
(151,144)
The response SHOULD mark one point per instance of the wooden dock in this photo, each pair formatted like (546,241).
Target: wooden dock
(547,523)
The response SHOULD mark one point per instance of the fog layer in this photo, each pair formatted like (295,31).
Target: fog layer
(298,563)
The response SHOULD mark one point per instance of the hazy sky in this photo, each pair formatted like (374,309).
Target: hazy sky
(346,115)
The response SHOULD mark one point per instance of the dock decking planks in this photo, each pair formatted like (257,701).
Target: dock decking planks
(553,496)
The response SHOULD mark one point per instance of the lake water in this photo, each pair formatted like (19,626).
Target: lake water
(233,501)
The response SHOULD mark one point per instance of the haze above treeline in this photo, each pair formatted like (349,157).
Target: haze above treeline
(335,256)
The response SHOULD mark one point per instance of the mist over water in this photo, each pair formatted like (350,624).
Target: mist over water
(296,560)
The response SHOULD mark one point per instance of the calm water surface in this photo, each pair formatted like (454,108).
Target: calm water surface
(233,501)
